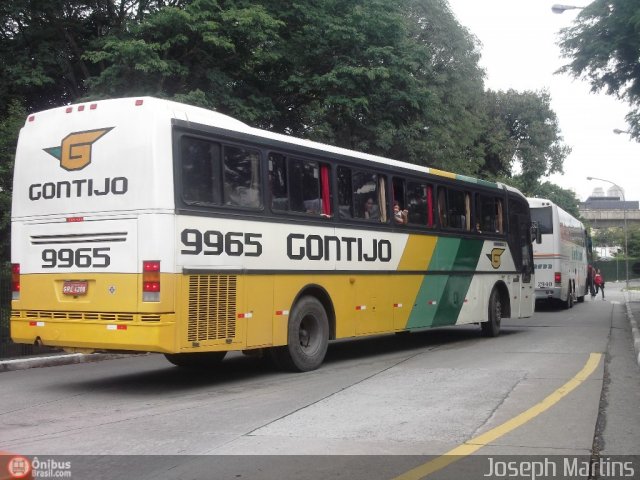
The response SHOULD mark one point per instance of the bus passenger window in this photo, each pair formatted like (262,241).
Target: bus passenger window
(345,193)
(487,209)
(242,177)
(442,207)
(304,195)
(278,182)
(499,217)
(417,204)
(456,208)
(200,171)
(365,193)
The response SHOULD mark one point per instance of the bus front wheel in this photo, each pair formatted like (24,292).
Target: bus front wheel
(308,337)
(491,328)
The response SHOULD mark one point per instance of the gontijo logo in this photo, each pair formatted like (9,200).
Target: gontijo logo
(496,257)
(75,151)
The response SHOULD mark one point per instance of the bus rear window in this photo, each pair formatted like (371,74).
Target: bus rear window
(215,174)
(544,217)
(200,171)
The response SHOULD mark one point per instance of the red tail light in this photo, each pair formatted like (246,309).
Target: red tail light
(557,277)
(15,281)
(151,281)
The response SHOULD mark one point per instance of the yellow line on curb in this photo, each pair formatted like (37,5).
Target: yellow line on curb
(475,444)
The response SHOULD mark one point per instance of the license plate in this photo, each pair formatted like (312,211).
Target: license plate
(75,288)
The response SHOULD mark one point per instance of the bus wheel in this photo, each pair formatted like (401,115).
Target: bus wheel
(308,337)
(195,360)
(569,302)
(491,328)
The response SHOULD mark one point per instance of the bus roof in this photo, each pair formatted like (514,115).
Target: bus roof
(215,119)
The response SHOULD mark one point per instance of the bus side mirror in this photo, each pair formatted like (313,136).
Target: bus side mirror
(535,233)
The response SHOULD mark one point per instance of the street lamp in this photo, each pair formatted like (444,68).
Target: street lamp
(624,210)
(557,8)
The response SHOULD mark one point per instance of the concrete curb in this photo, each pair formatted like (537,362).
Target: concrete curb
(55,360)
(634,329)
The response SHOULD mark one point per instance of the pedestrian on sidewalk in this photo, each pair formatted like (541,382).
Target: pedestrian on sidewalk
(598,279)
(592,290)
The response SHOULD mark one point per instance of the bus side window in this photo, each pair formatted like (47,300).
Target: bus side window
(467,211)
(345,193)
(486,214)
(499,216)
(456,209)
(418,204)
(442,207)
(365,194)
(200,161)
(430,207)
(304,195)
(278,182)
(242,177)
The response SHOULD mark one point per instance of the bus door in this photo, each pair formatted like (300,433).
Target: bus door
(520,243)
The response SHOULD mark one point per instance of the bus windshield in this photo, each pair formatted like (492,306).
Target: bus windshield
(544,217)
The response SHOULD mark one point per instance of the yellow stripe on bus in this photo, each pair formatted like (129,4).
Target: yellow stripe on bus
(417,253)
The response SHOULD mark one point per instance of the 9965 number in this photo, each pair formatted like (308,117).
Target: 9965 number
(81,258)
(212,242)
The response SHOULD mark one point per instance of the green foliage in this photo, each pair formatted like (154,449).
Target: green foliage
(565,199)
(398,79)
(614,236)
(10,125)
(604,47)
(522,141)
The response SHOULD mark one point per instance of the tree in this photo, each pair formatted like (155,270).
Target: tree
(521,141)
(604,46)
(565,199)
(10,125)
(398,79)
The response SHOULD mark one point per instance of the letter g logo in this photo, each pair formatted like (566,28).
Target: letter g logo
(75,151)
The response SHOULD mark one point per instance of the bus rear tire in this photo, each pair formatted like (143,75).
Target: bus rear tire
(195,360)
(308,337)
(491,328)
(569,302)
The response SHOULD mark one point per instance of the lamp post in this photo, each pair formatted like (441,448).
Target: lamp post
(558,8)
(624,210)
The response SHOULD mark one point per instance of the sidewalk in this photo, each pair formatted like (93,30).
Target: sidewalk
(632,301)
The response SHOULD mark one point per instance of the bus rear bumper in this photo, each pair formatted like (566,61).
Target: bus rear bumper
(96,336)
(547,293)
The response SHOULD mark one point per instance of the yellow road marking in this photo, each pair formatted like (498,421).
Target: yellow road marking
(475,444)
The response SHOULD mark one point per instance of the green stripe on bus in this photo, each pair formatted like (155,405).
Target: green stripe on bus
(441,297)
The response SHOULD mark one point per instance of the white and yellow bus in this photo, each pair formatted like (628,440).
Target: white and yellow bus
(142,224)
(562,257)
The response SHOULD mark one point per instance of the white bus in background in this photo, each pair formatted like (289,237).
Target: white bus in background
(561,260)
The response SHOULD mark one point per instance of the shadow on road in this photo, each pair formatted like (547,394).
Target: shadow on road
(156,377)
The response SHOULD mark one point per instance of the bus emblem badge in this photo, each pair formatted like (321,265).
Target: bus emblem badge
(495,257)
(75,151)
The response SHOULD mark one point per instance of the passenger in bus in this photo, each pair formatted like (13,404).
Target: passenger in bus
(371,211)
(400,216)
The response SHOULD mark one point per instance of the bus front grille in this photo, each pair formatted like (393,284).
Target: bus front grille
(212,307)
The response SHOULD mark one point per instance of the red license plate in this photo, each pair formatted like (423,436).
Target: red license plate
(74,288)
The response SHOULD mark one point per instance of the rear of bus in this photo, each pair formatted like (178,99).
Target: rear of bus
(92,216)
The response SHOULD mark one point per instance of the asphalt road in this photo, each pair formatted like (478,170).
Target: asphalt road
(386,407)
